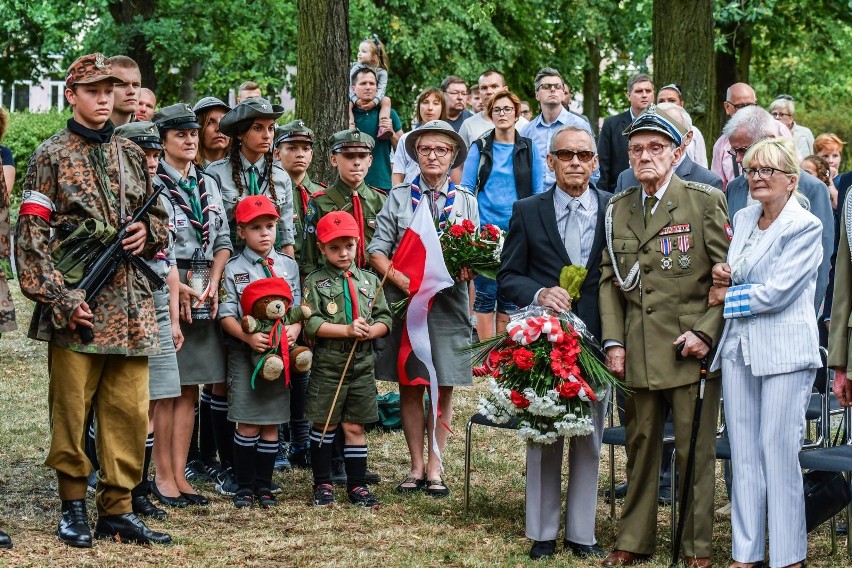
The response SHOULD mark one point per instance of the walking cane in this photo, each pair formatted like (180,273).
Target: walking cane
(690,465)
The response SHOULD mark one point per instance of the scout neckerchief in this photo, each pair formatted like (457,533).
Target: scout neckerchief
(448,203)
(350,298)
(266,264)
(304,195)
(196,211)
(336,195)
(252,180)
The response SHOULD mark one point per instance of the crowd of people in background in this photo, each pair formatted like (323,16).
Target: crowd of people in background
(730,256)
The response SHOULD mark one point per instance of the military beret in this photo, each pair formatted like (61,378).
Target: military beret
(176,117)
(264,288)
(144,134)
(350,139)
(654,119)
(436,127)
(209,102)
(250,108)
(294,131)
(90,68)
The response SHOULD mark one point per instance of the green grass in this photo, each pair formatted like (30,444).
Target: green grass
(407,531)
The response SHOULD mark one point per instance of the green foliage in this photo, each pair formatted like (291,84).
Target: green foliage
(26,131)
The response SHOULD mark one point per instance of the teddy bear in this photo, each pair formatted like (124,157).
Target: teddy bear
(266,305)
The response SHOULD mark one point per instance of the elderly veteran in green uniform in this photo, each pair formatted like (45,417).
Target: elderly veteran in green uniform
(79,177)
(437,148)
(200,225)
(351,154)
(663,238)
(249,168)
(7,308)
(294,150)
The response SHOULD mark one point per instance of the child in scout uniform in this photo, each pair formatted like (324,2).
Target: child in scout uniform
(249,168)
(346,306)
(257,405)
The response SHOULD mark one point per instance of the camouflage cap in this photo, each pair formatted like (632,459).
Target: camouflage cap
(210,102)
(175,117)
(350,139)
(143,133)
(654,119)
(295,131)
(90,68)
(250,108)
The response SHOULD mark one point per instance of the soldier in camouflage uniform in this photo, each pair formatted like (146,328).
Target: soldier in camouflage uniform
(7,308)
(83,173)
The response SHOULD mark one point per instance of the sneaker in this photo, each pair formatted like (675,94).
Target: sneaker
(362,497)
(92,482)
(384,133)
(275,488)
(226,484)
(213,469)
(300,456)
(338,472)
(323,495)
(196,471)
(282,458)
(265,498)
(243,498)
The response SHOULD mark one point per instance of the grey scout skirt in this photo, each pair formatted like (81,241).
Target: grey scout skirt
(201,360)
(163,375)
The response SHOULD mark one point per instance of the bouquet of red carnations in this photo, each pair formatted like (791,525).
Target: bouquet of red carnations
(546,371)
(465,247)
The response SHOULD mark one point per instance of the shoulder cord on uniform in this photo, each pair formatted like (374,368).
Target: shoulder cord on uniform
(847,218)
(629,283)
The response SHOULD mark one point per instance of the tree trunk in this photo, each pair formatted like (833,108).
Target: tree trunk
(732,65)
(123,13)
(592,85)
(322,83)
(683,54)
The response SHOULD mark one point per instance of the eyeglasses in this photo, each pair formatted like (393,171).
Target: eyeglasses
(456,93)
(568,155)
(654,148)
(503,110)
(733,152)
(778,114)
(762,173)
(741,105)
(440,151)
(550,87)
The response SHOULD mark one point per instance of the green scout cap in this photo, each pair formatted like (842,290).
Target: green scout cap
(248,109)
(90,68)
(654,119)
(350,139)
(178,116)
(209,102)
(143,133)
(295,131)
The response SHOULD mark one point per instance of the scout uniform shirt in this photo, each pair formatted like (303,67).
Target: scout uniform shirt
(302,193)
(244,269)
(222,171)
(338,197)
(71,179)
(7,309)
(212,235)
(324,295)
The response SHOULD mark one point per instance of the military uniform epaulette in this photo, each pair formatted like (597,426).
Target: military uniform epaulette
(625,193)
(321,184)
(382,191)
(698,186)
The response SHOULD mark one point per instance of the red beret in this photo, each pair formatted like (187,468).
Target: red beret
(263,288)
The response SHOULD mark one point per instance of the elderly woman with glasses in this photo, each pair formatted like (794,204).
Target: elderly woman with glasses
(501,168)
(437,148)
(769,354)
(783,109)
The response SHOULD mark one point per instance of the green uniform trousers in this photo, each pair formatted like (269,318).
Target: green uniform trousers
(117,386)
(645,414)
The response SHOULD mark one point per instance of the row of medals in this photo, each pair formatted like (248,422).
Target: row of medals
(684,260)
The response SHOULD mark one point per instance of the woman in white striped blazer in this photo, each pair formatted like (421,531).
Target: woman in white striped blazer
(769,354)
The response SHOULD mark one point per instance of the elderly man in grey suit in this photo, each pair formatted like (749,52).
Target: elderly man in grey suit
(560,227)
(685,169)
(748,126)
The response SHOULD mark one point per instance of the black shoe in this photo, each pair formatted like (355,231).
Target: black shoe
(226,483)
(362,497)
(542,549)
(841,529)
(323,495)
(265,498)
(300,456)
(128,528)
(243,498)
(282,458)
(372,478)
(196,471)
(73,527)
(584,550)
(620,491)
(195,499)
(143,506)
(178,502)
(275,488)
(665,496)
(92,482)
(5,540)
(338,472)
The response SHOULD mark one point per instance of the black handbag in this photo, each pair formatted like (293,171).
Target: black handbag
(826,494)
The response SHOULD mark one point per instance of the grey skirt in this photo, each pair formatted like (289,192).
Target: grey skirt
(267,403)
(449,332)
(163,375)
(201,360)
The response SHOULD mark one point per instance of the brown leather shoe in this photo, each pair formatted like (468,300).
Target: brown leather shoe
(698,562)
(624,558)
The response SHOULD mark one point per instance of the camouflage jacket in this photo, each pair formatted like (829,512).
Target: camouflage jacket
(70,179)
(7,308)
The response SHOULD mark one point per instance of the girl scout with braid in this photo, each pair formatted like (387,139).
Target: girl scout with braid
(249,168)
(257,405)
(200,225)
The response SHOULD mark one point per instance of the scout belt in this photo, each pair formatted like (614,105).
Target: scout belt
(344,346)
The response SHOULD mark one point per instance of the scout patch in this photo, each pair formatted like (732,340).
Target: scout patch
(326,283)
(728,231)
(242,278)
(674,229)
(181,222)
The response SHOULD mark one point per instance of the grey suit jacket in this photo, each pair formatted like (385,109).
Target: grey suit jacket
(820,205)
(687,171)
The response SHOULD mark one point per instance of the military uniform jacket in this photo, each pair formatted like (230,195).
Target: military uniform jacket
(671,296)
(244,269)
(338,197)
(63,185)
(323,294)
(302,194)
(223,173)
(186,238)
(7,308)
(839,347)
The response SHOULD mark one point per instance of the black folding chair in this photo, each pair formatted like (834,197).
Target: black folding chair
(482,421)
